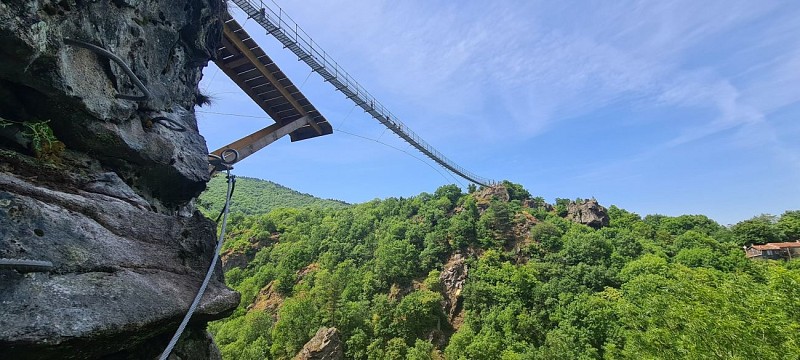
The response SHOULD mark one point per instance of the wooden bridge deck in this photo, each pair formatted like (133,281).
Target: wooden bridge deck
(248,66)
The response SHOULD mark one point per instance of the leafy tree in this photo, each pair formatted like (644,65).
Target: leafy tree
(589,248)
(357,344)
(422,350)
(395,261)
(450,192)
(561,206)
(693,239)
(758,230)
(652,287)
(417,313)
(463,225)
(297,323)
(567,342)
(620,218)
(516,191)
(697,257)
(789,225)
(646,265)
(681,224)
(495,225)
(704,313)
(548,235)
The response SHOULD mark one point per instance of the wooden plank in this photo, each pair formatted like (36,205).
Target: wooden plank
(258,140)
(234,39)
(249,91)
(237,61)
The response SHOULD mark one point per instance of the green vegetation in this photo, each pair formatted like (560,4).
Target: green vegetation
(255,196)
(656,287)
(43,142)
(767,228)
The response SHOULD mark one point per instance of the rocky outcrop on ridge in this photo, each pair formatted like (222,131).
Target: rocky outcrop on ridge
(588,213)
(101,184)
(486,195)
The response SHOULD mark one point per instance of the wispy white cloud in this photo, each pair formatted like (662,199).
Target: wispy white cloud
(476,78)
(531,65)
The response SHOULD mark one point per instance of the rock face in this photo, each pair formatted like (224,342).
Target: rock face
(268,299)
(453,278)
(110,206)
(164,43)
(589,213)
(233,258)
(485,196)
(325,345)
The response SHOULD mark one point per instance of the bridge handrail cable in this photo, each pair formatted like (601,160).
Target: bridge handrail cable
(285,29)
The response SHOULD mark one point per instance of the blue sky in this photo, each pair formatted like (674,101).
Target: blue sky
(668,107)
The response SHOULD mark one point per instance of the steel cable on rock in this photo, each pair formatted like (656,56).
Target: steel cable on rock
(202,290)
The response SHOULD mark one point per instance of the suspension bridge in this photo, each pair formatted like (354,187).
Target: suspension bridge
(243,60)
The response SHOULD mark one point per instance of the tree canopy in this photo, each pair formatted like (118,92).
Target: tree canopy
(654,287)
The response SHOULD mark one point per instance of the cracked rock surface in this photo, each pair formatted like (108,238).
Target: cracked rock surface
(94,184)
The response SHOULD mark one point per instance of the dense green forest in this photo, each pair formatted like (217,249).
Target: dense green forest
(255,196)
(388,275)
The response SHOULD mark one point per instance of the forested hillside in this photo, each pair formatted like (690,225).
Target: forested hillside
(496,274)
(256,196)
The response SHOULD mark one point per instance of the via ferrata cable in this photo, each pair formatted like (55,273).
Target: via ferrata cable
(193,307)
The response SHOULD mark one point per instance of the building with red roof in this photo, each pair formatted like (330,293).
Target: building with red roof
(783,250)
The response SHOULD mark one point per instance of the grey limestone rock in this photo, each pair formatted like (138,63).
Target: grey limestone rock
(589,213)
(119,270)
(325,345)
(111,209)
(164,43)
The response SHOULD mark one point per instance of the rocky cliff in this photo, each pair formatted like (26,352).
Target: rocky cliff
(100,160)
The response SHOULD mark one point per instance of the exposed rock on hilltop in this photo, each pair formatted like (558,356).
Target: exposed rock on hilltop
(588,213)
(98,185)
(486,195)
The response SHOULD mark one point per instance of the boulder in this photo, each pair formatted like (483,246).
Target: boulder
(589,213)
(325,345)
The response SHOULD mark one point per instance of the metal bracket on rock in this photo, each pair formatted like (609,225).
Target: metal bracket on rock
(96,49)
(223,161)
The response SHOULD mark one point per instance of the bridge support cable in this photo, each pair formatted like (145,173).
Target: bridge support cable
(291,36)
